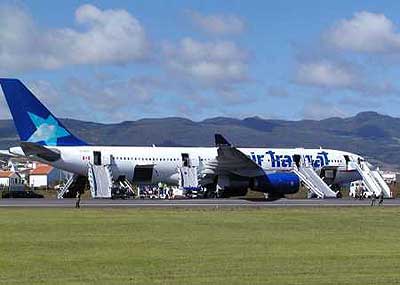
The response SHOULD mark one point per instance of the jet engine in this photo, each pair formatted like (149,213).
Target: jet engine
(278,183)
(275,184)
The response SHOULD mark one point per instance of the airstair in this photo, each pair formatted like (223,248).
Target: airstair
(64,189)
(125,184)
(75,183)
(311,179)
(100,180)
(188,177)
(372,179)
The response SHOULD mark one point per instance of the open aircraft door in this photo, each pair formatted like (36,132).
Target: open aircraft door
(102,158)
(328,174)
(143,174)
(347,159)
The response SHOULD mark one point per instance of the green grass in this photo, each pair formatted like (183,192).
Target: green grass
(232,246)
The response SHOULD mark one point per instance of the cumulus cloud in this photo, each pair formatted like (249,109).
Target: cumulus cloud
(114,94)
(324,73)
(364,32)
(104,37)
(47,93)
(209,63)
(108,101)
(217,24)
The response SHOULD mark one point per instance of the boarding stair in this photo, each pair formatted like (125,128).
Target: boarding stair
(372,179)
(304,170)
(125,184)
(74,184)
(188,177)
(100,180)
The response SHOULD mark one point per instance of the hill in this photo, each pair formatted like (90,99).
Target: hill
(370,134)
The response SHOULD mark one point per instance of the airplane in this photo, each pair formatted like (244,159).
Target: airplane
(224,169)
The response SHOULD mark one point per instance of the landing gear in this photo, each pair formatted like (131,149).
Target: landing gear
(273,197)
(210,191)
(336,188)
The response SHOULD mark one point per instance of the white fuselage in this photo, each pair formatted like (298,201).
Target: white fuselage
(165,161)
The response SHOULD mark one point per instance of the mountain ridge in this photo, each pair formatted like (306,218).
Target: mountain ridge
(369,134)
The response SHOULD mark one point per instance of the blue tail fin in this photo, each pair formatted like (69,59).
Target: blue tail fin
(33,121)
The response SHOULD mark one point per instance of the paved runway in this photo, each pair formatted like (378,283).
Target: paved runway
(216,203)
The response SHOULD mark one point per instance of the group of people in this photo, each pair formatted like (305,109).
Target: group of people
(374,197)
(360,194)
(153,192)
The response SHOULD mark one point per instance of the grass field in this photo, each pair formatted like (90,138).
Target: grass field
(231,246)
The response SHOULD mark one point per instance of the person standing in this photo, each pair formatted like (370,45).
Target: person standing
(373,199)
(359,192)
(78,200)
(381,198)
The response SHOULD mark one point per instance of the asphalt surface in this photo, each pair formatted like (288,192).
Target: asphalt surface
(206,203)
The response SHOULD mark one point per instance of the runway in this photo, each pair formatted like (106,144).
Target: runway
(207,203)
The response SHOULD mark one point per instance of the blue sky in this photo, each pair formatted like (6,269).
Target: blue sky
(111,61)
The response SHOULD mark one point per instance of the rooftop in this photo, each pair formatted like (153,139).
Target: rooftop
(6,174)
(42,169)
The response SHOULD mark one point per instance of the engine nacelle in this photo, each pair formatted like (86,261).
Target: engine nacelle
(235,188)
(277,183)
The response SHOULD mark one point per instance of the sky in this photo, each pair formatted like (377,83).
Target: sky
(113,61)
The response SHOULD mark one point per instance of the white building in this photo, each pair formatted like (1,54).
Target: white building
(43,176)
(10,180)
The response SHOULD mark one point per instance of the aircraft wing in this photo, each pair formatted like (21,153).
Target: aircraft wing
(232,160)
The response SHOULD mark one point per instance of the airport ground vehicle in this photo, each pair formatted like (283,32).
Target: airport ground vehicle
(356,186)
(21,194)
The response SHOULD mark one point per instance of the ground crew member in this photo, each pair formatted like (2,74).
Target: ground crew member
(381,198)
(359,192)
(78,200)
(373,199)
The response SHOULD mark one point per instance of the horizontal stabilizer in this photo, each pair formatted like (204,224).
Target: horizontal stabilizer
(7,153)
(37,150)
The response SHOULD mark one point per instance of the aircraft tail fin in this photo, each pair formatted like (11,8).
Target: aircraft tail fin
(221,141)
(33,121)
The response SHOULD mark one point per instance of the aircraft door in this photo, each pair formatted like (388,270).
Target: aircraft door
(97,157)
(185,160)
(328,175)
(297,159)
(188,161)
(347,159)
(143,174)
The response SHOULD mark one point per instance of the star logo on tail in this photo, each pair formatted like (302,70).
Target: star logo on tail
(47,130)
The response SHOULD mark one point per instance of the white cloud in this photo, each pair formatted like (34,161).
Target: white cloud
(210,63)
(218,24)
(107,101)
(365,32)
(47,93)
(114,94)
(324,73)
(338,75)
(105,37)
